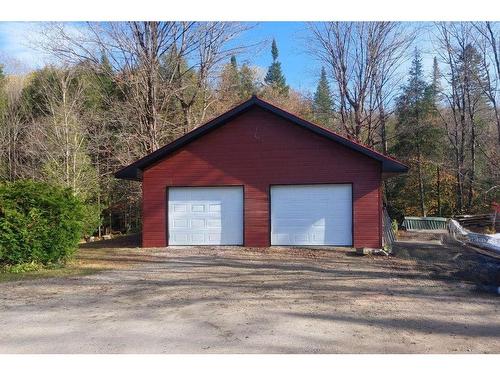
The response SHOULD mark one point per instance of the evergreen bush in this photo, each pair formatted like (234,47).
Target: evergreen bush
(39,223)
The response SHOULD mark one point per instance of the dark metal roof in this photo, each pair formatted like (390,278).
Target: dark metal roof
(134,170)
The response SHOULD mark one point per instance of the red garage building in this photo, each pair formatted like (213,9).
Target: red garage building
(260,176)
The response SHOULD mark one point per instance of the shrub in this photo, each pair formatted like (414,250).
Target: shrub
(39,223)
(91,219)
(23,267)
(394,225)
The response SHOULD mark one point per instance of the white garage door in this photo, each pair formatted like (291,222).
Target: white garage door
(205,216)
(311,215)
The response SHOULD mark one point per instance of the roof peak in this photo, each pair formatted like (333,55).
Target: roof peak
(133,171)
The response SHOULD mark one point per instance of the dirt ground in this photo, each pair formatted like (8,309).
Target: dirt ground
(425,299)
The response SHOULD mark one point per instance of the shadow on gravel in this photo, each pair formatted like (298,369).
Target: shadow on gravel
(128,241)
(451,261)
(419,325)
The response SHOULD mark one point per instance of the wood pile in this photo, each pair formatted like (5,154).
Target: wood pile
(478,223)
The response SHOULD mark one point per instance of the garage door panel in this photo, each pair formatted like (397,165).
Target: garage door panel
(311,215)
(197,223)
(279,238)
(180,223)
(205,216)
(198,237)
(214,207)
(179,207)
(179,237)
(197,208)
(214,238)
(212,223)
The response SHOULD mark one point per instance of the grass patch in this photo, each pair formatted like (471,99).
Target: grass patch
(31,271)
(47,273)
(116,254)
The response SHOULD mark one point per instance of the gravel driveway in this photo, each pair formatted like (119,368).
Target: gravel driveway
(232,300)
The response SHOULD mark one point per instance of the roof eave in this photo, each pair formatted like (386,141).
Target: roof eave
(394,168)
(388,164)
(133,171)
(128,173)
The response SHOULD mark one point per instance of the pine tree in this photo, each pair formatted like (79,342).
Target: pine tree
(435,91)
(106,75)
(323,102)
(233,73)
(248,86)
(177,75)
(274,76)
(436,80)
(100,86)
(234,64)
(416,135)
(472,79)
(229,83)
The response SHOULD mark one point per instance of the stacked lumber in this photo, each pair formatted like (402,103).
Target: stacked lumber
(478,222)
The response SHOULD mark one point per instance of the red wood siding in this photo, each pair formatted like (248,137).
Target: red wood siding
(259,149)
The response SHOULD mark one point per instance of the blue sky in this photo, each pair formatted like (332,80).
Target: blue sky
(15,44)
(300,69)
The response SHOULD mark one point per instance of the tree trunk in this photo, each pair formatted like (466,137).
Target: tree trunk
(383,129)
(472,174)
(421,186)
(110,214)
(438,188)
(458,182)
(493,42)
(497,118)
(98,170)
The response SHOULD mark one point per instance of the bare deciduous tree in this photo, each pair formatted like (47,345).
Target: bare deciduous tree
(13,130)
(159,66)
(488,42)
(362,59)
(465,102)
(61,136)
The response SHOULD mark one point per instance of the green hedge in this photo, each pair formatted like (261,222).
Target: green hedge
(38,223)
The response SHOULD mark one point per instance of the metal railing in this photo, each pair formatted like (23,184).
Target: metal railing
(424,223)
(388,233)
